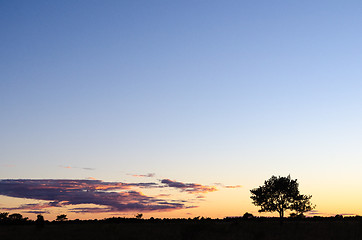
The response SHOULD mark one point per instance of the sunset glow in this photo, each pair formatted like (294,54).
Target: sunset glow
(177,109)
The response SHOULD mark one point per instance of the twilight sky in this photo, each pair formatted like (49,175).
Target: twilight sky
(178,108)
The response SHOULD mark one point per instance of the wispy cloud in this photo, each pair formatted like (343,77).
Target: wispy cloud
(235,186)
(37,211)
(163,195)
(317,213)
(347,214)
(148,175)
(228,186)
(34,206)
(192,188)
(314,212)
(67,167)
(90,210)
(84,168)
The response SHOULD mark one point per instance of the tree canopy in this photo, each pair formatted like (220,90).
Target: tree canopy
(279,194)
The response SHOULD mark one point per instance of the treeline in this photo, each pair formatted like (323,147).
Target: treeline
(17,218)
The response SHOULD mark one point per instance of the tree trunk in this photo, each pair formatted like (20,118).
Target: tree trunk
(281,213)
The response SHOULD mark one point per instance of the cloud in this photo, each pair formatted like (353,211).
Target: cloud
(37,212)
(84,168)
(192,188)
(67,167)
(314,212)
(144,185)
(347,214)
(91,178)
(149,175)
(163,195)
(235,186)
(90,210)
(114,196)
(317,213)
(228,186)
(34,206)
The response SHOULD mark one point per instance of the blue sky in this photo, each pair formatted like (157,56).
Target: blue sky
(196,91)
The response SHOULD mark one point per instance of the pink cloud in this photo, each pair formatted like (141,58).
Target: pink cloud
(108,196)
(192,188)
(113,196)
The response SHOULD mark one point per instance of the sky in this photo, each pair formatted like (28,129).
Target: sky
(178,108)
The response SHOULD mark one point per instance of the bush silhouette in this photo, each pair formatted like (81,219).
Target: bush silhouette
(247,215)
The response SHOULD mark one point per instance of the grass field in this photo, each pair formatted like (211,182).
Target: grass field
(254,229)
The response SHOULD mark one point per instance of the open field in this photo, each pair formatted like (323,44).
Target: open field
(268,229)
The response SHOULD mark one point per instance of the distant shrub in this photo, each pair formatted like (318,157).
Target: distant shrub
(247,215)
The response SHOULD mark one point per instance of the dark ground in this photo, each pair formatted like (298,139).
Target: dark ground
(253,229)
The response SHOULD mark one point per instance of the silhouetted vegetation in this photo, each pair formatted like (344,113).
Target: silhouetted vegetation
(139,216)
(3,216)
(62,217)
(247,215)
(245,227)
(39,221)
(279,194)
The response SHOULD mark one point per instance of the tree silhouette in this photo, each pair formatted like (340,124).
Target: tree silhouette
(279,194)
(302,205)
(40,218)
(61,217)
(3,216)
(16,217)
(39,221)
(139,216)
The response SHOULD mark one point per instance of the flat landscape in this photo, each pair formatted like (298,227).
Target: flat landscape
(180,120)
(268,229)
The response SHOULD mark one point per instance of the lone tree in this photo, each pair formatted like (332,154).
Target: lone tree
(279,194)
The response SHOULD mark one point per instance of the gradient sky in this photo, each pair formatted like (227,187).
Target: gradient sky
(216,93)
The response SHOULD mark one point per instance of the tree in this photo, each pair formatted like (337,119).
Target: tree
(61,217)
(302,205)
(40,218)
(279,194)
(16,217)
(3,216)
(139,216)
(39,221)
